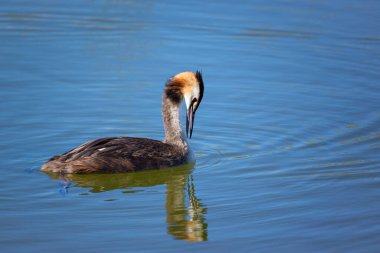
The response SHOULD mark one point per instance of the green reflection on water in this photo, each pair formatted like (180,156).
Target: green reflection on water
(185,221)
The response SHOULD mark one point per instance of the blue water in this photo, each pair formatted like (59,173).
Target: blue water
(287,138)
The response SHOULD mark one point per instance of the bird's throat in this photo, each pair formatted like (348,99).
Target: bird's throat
(171,114)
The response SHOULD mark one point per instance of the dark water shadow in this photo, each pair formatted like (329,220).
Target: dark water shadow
(185,214)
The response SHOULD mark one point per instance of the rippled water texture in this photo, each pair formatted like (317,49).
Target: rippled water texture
(287,138)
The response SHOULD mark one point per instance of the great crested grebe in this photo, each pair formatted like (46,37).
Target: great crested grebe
(126,154)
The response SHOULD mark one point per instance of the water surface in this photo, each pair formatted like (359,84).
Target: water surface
(287,138)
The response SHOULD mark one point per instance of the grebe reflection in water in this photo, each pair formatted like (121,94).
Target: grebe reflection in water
(126,154)
(185,213)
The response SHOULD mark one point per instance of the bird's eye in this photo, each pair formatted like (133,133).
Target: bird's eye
(194,100)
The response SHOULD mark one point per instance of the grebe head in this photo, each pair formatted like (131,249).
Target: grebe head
(187,85)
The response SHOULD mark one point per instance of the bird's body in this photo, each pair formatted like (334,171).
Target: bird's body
(118,154)
(126,154)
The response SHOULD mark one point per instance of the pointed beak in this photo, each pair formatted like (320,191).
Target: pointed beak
(190,120)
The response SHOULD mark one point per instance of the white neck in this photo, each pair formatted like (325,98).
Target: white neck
(174,133)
